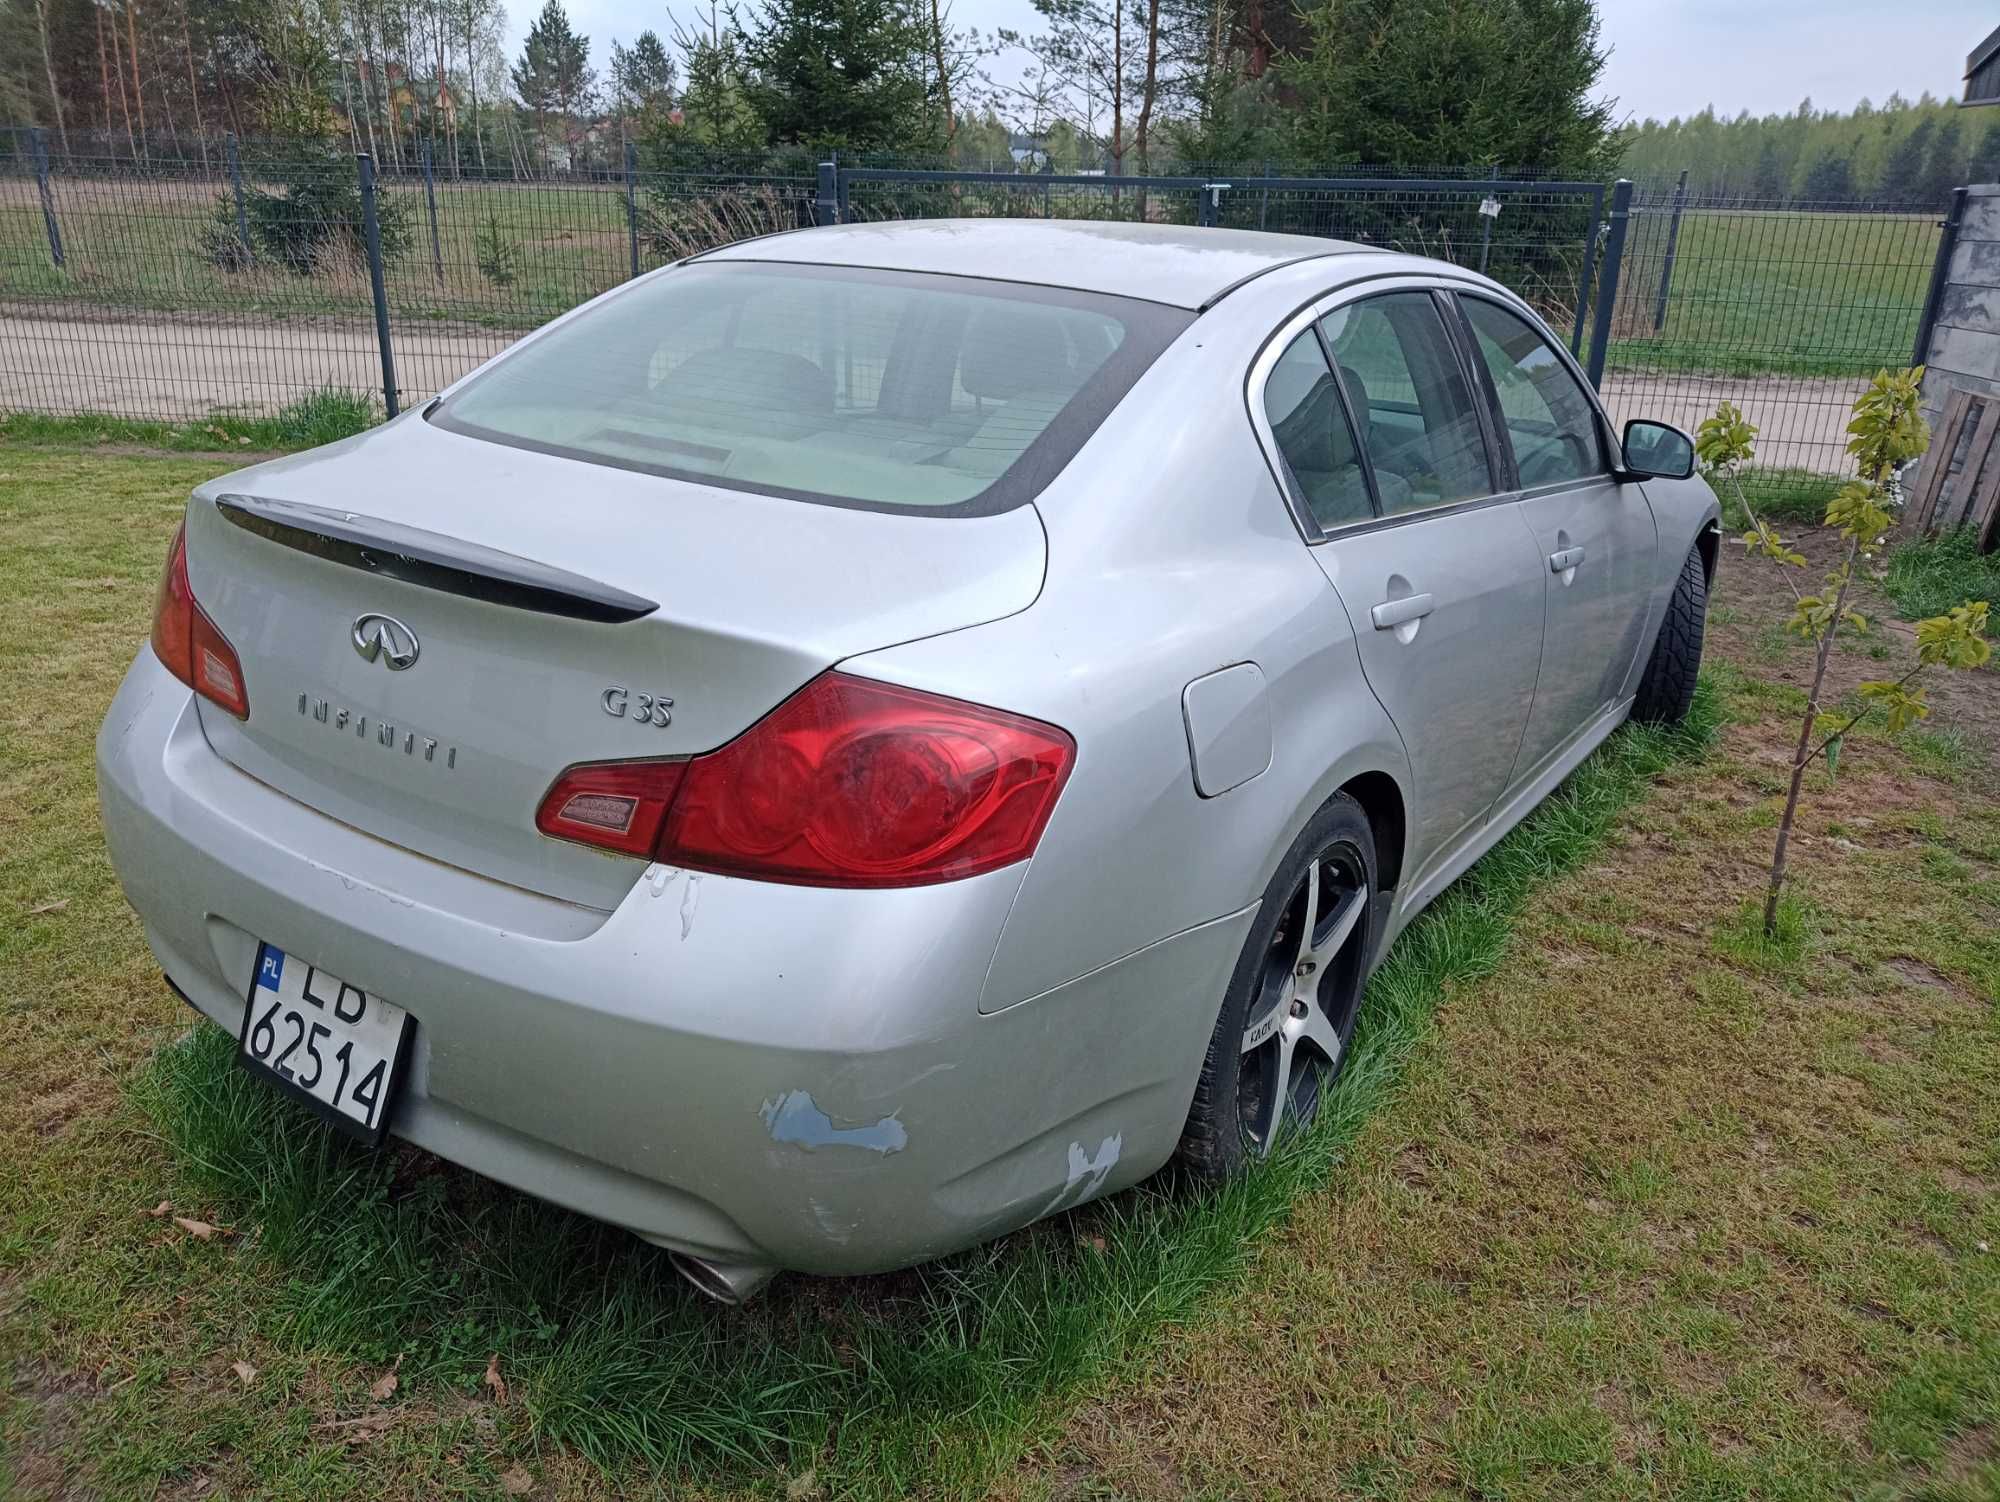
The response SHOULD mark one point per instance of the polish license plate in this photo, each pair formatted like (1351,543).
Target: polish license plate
(324,1041)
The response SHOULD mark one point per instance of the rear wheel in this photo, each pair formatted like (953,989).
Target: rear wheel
(1667,688)
(1281,1039)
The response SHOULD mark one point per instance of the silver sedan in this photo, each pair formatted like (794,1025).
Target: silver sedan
(865,738)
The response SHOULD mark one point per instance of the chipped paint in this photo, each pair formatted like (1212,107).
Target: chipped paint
(1087,1173)
(659,878)
(690,900)
(795,1117)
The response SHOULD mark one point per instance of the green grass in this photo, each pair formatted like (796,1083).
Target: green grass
(1756,293)
(1929,575)
(325,416)
(1782,495)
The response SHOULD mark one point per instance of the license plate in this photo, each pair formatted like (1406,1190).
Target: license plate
(332,1045)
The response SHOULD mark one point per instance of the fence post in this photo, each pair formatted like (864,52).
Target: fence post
(1673,244)
(1607,280)
(826,203)
(1486,226)
(372,229)
(1940,275)
(632,202)
(431,204)
(1264,197)
(1589,277)
(236,188)
(38,143)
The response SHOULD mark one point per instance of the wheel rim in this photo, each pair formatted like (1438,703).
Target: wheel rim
(1308,988)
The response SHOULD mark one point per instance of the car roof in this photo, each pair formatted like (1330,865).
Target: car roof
(1176,264)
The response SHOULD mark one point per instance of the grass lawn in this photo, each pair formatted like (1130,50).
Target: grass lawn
(1616,1200)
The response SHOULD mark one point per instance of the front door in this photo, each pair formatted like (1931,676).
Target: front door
(1595,538)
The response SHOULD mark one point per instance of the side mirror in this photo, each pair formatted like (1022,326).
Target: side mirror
(1658,450)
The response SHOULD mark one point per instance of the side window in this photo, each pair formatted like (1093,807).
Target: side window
(1419,426)
(1306,417)
(1549,420)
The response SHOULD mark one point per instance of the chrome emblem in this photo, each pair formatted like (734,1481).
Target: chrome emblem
(385,637)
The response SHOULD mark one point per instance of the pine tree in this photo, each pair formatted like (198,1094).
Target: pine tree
(554,76)
(1985,164)
(1830,178)
(840,73)
(1902,175)
(1418,83)
(1770,179)
(1945,168)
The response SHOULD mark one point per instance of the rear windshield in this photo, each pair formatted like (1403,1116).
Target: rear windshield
(891,390)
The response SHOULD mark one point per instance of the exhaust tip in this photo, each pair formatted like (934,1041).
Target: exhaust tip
(729,1283)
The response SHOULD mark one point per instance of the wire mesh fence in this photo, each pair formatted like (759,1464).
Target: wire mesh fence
(240,280)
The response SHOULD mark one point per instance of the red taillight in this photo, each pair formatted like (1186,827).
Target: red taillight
(849,783)
(618,805)
(187,642)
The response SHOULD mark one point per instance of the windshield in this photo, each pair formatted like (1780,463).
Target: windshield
(884,389)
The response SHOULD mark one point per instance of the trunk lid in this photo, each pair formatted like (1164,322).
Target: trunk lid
(522,583)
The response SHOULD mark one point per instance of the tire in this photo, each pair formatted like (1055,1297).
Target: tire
(1257,1085)
(1667,687)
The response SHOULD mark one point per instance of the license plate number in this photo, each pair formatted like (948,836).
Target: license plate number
(324,1041)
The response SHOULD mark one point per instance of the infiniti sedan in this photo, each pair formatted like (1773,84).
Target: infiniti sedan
(865,738)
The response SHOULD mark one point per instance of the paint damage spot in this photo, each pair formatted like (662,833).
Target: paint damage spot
(1087,1173)
(795,1117)
(690,900)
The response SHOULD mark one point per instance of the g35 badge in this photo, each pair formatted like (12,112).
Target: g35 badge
(642,709)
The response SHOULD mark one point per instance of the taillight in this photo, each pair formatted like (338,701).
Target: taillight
(849,783)
(618,805)
(188,643)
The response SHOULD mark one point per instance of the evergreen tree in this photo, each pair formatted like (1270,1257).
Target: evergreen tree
(1985,164)
(554,77)
(1902,176)
(1830,178)
(1945,168)
(1770,179)
(1419,83)
(715,110)
(840,73)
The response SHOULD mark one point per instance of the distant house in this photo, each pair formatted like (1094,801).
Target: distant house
(1982,72)
(410,101)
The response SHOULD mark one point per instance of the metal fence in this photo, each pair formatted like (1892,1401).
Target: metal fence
(176,287)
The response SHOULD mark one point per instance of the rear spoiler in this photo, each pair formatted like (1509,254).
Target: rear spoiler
(432,560)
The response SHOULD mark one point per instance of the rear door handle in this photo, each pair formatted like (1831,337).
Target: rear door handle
(1393,613)
(1565,559)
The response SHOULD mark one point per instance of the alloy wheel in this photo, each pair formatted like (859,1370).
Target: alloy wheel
(1303,1010)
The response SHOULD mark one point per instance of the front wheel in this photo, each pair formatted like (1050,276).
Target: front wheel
(1282,1037)
(1667,687)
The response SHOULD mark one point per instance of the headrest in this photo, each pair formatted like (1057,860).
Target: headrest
(1011,348)
(763,382)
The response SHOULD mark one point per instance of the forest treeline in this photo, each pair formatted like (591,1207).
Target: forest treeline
(1895,152)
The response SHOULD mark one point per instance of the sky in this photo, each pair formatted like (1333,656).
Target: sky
(1668,57)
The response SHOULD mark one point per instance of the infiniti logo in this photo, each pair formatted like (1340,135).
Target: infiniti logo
(385,637)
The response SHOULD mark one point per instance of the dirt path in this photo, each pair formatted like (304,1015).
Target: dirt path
(176,370)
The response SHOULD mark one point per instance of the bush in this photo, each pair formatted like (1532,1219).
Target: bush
(494,253)
(312,217)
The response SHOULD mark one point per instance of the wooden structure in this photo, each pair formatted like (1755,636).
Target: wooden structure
(1958,482)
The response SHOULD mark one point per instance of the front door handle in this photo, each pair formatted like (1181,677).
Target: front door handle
(1393,613)
(1564,559)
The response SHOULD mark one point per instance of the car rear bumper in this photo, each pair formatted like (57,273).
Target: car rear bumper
(748,1072)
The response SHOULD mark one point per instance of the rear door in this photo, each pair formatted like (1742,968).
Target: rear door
(1436,568)
(1595,537)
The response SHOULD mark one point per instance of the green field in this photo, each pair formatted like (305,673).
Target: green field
(1769,292)
(1616,1201)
